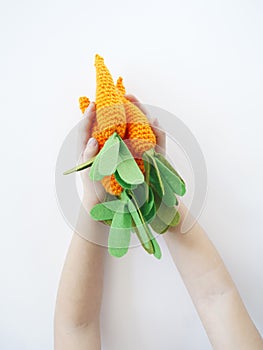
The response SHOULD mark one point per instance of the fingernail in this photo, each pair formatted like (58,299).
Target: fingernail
(92,142)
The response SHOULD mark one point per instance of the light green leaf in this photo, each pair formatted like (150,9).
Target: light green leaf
(119,241)
(122,220)
(101,212)
(141,228)
(172,179)
(158,225)
(115,206)
(123,183)
(127,168)
(147,168)
(94,173)
(157,250)
(169,197)
(168,165)
(109,156)
(119,236)
(166,214)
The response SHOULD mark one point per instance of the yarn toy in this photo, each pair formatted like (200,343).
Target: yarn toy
(141,185)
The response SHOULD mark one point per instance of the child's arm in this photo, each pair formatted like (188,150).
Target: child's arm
(77,314)
(212,290)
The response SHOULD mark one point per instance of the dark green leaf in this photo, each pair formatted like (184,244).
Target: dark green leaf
(151,215)
(147,206)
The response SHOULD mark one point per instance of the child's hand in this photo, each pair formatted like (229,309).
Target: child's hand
(93,192)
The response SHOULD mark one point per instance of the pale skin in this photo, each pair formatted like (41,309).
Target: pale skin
(214,294)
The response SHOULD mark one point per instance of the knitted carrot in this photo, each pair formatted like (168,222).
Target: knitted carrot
(140,136)
(109,182)
(110,111)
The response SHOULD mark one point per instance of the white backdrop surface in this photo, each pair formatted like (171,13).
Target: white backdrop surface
(201,60)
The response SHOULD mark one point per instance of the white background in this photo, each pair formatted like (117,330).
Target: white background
(201,60)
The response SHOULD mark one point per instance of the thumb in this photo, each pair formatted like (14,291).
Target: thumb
(90,150)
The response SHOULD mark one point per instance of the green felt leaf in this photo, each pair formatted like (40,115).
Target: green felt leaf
(127,168)
(115,206)
(107,222)
(157,250)
(94,173)
(169,197)
(123,183)
(157,175)
(101,212)
(147,168)
(122,220)
(147,206)
(141,228)
(158,225)
(172,179)
(168,165)
(176,220)
(109,156)
(151,215)
(166,214)
(119,239)
(147,245)
(81,166)
(140,193)
(155,183)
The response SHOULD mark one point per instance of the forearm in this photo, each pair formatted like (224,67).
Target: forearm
(80,289)
(212,290)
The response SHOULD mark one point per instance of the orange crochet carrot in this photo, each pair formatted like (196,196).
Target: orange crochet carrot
(139,134)
(110,110)
(109,182)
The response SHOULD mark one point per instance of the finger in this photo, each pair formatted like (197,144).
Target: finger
(85,127)
(160,136)
(137,103)
(90,150)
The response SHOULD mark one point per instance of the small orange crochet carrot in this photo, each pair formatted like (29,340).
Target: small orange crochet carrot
(139,134)
(110,110)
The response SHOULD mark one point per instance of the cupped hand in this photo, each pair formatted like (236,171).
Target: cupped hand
(93,192)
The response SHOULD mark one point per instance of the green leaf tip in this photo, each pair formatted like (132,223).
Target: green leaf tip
(80,167)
